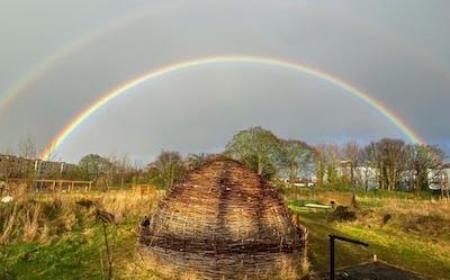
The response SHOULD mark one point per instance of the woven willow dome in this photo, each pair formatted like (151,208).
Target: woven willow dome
(222,207)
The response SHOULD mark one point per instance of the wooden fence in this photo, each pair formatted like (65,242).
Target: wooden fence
(52,184)
(68,185)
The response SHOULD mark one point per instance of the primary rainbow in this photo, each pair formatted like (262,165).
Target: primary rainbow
(57,141)
(44,67)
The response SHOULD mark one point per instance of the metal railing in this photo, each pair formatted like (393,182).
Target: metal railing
(332,250)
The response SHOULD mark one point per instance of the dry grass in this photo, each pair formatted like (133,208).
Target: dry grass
(41,217)
(427,217)
(423,218)
(31,223)
(61,233)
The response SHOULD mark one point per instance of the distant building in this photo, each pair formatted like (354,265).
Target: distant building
(19,167)
(300,182)
(439,178)
(363,176)
(407,179)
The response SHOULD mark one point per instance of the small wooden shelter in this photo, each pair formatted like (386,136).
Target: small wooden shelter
(222,212)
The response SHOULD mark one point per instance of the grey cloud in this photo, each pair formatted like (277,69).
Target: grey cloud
(397,52)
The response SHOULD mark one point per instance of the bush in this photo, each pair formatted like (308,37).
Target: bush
(342,214)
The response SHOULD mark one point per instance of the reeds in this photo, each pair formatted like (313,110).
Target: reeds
(31,223)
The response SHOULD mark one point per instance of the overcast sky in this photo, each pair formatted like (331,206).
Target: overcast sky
(398,51)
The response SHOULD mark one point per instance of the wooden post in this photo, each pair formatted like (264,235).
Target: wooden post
(445,186)
(445,190)
(53,185)
(73,184)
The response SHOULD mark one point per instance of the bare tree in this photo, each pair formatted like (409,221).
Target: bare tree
(390,156)
(368,158)
(123,168)
(329,159)
(29,166)
(320,167)
(352,152)
(423,159)
(27,147)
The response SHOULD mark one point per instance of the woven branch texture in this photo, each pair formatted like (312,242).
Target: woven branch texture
(223,222)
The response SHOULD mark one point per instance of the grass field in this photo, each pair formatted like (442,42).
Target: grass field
(415,237)
(59,236)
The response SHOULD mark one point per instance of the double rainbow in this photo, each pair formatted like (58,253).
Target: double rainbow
(124,88)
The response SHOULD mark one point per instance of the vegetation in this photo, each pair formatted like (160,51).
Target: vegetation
(93,235)
(93,166)
(57,236)
(257,148)
(167,169)
(391,164)
(295,156)
(403,230)
(60,236)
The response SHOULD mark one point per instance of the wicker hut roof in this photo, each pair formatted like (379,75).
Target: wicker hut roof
(222,207)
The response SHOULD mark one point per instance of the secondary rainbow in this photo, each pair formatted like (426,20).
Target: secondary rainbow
(124,88)
(49,63)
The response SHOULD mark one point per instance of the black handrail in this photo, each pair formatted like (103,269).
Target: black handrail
(332,239)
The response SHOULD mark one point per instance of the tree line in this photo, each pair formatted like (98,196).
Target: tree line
(394,162)
(391,163)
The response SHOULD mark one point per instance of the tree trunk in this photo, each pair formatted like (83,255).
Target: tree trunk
(292,178)
(352,183)
(260,168)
